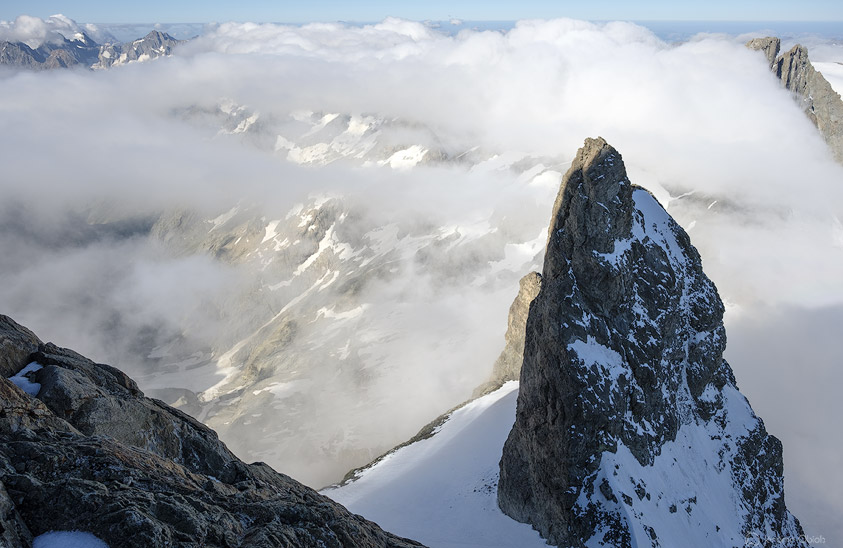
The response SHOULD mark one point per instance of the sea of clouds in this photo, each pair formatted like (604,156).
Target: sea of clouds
(704,116)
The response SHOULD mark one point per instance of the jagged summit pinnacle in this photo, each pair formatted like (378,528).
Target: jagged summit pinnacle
(629,429)
(821,103)
(157,37)
(770,45)
(596,183)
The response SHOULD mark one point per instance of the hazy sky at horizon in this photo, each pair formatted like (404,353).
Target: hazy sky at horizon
(196,11)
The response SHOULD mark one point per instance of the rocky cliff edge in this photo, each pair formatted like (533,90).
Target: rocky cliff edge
(81,448)
(812,91)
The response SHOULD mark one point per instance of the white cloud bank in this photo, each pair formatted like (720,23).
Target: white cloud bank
(704,116)
(34,31)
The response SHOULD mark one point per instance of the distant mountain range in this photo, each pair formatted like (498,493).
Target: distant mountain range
(83,51)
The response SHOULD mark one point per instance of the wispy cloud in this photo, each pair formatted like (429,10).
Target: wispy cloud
(34,31)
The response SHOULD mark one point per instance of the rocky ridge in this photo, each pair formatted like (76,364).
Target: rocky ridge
(89,452)
(81,50)
(508,365)
(630,429)
(813,92)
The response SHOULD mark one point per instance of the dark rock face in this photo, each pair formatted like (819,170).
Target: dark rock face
(626,409)
(16,344)
(813,92)
(508,365)
(91,453)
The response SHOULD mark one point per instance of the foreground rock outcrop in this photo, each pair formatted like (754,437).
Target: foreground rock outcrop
(89,452)
(813,92)
(630,430)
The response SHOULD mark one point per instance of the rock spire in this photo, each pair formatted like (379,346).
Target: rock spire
(814,93)
(630,430)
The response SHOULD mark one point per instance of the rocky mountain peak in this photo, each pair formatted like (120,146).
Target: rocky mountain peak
(592,206)
(770,45)
(794,68)
(154,44)
(627,410)
(157,37)
(814,93)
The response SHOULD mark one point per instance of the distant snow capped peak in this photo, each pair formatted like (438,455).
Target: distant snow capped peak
(59,42)
(153,45)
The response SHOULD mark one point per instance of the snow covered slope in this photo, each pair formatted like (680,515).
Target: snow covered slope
(833,72)
(442,491)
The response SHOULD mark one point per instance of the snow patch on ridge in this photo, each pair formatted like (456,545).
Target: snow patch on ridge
(224,218)
(449,480)
(22,381)
(594,354)
(67,539)
(406,158)
(687,496)
(651,223)
(340,249)
(347,315)
(271,230)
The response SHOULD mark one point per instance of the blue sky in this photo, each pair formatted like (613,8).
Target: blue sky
(199,11)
